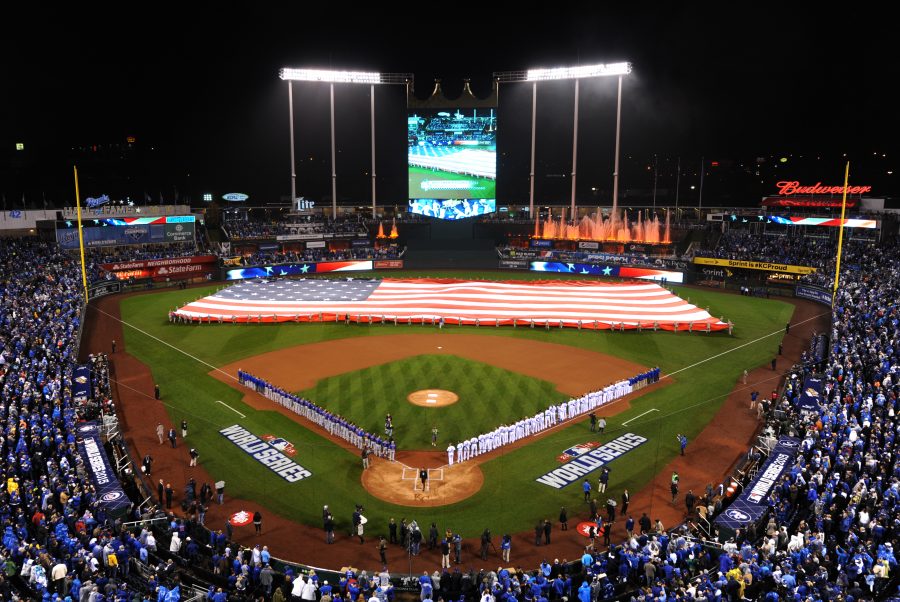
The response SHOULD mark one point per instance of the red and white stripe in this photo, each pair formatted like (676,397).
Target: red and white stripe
(592,303)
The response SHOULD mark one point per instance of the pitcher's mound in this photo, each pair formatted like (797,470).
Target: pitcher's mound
(432,398)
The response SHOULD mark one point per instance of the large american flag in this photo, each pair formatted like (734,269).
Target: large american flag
(588,304)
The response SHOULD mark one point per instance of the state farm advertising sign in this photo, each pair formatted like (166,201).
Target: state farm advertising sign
(177,268)
(388,264)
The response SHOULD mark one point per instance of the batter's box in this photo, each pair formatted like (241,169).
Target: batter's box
(412,474)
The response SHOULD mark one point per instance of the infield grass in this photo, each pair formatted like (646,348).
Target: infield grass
(488,396)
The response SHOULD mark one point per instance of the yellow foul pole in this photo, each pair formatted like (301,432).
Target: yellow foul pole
(80,236)
(837,267)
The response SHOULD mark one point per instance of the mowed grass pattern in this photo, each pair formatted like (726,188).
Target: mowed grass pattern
(510,500)
(488,396)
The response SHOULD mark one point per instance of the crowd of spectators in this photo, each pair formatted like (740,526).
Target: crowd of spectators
(585,256)
(793,248)
(57,539)
(834,519)
(830,532)
(311,255)
(246,229)
(141,252)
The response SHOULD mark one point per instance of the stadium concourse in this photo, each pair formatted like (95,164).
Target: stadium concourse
(829,529)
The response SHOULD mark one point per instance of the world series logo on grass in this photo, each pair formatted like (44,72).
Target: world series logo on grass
(282,445)
(589,461)
(265,453)
(577,450)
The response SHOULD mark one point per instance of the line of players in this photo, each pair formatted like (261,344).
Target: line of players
(337,425)
(507,434)
(334,424)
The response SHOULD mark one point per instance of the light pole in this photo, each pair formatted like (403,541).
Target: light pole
(336,77)
(576,73)
(293,162)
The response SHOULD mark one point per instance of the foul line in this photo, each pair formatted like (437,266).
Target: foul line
(230,408)
(638,416)
(155,338)
(765,336)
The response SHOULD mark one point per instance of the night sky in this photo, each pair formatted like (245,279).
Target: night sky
(198,87)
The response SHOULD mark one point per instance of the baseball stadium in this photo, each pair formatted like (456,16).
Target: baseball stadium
(458,396)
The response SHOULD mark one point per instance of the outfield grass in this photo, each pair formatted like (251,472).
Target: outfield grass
(510,499)
(488,396)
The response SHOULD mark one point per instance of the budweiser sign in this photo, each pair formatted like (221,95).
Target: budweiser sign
(786,188)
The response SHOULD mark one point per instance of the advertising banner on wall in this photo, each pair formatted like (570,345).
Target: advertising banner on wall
(81,385)
(388,264)
(176,268)
(611,271)
(813,293)
(298,269)
(811,395)
(109,492)
(120,233)
(102,289)
(754,500)
(515,264)
(755,265)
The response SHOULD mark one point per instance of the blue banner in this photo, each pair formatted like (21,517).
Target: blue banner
(299,269)
(811,396)
(538,243)
(110,494)
(588,269)
(81,387)
(107,235)
(813,293)
(751,505)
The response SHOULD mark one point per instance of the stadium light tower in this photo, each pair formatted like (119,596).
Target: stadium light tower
(576,73)
(340,77)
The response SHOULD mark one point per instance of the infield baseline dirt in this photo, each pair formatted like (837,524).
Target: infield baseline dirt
(710,456)
(387,480)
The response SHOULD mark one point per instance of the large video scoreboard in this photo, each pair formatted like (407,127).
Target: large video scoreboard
(452,162)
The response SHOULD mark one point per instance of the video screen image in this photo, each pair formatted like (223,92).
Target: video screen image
(453,208)
(452,154)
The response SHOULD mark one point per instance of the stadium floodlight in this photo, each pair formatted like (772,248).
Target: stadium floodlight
(556,73)
(577,73)
(291,75)
(334,77)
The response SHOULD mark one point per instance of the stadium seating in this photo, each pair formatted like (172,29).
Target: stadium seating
(830,532)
